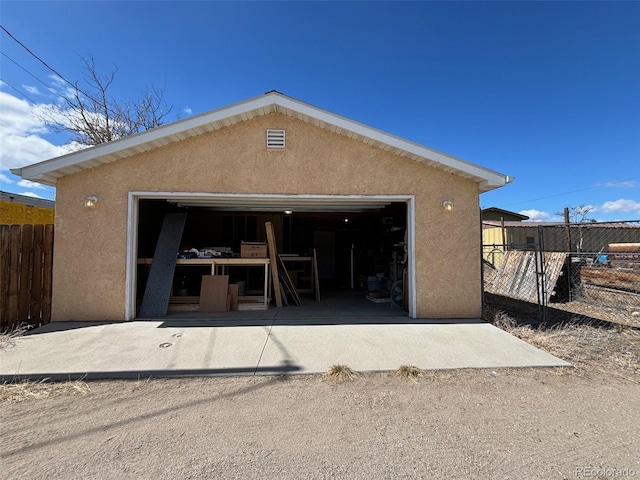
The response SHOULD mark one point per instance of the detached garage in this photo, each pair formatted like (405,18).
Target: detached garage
(365,205)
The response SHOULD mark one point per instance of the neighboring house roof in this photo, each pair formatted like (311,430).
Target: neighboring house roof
(26,200)
(49,171)
(495,213)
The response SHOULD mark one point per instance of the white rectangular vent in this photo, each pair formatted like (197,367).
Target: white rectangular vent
(275,138)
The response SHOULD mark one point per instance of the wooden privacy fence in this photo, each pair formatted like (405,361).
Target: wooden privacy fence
(26,263)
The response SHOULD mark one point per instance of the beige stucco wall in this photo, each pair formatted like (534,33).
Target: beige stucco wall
(90,246)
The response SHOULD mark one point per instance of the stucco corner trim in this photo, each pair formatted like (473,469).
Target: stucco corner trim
(131,270)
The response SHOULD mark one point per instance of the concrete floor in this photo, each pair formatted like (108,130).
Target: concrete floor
(362,335)
(337,306)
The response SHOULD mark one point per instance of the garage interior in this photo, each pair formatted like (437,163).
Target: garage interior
(360,250)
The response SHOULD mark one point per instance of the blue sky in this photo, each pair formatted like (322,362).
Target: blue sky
(546,92)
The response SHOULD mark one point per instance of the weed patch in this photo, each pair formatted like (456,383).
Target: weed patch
(340,373)
(27,390)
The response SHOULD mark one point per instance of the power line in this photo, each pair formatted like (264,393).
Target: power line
(43,116)
(48,87)
(100,107)
(41,61)
(22,68)
(74,86)
(549,196)
(568,193)
(19,92)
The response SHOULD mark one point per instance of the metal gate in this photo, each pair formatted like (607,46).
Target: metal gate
(585,269)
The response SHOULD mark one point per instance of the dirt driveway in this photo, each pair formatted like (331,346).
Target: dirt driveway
(512,423)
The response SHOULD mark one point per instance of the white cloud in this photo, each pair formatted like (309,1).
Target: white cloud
(31,194)
(73,147)
(31,90)
(59,114)
(30,184)
(4,179)
(621,205)
(20,128)
(539,216)
(16,115)
(622,184)
(60,87)
(187,111)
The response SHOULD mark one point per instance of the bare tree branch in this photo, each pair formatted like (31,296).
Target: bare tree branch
(94,117)
(579,214)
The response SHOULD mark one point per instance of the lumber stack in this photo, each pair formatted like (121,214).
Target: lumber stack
(621,279)
(283,288)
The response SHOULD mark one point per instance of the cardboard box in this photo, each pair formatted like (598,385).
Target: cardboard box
(213,293)
(253,250)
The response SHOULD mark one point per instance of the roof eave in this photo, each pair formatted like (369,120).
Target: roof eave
(48,171)
(37,171)
(498,180)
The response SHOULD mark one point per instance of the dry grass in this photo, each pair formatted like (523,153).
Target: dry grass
(26,390)
(623,314)
(8,339)
(340,373)
(587,347)
(410,372)
(139,384)
(499,318)
(614,350)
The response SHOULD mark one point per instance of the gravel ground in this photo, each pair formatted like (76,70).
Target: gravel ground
(510,423)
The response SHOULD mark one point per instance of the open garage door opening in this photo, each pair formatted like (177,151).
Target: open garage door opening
(342,255)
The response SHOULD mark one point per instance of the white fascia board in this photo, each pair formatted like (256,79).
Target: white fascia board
(38,171)
(34,172)
(489,185)
(40,178)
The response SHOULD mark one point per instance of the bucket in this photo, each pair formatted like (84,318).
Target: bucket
(241,288)
(372,283)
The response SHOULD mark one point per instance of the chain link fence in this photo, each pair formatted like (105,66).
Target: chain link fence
(589,270)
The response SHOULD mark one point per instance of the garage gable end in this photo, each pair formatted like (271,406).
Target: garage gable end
(49,171)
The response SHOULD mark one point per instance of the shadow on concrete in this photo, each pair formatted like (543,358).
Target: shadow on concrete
(208,321)
(284,369)
(202,320)
(64,326)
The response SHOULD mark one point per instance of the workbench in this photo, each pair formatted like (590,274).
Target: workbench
(220,266)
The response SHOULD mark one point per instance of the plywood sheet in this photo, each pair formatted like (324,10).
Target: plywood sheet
(516,277)
(155,301)
(213,293)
